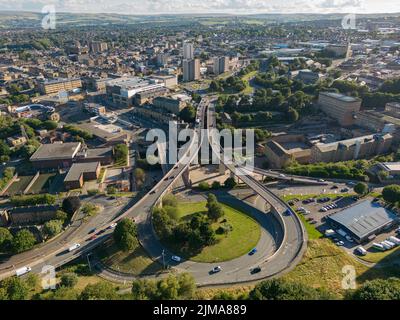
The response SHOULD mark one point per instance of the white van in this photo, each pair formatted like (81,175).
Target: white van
(378,246)
(74,247)
(361,251)
(394,240)
(22,271)
(386,245)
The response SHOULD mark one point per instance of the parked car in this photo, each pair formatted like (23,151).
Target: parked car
(176,258)
(340,243)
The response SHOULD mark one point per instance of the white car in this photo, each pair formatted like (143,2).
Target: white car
(176,258)
(74,247)
(216,269)
(340,243)
(112,226)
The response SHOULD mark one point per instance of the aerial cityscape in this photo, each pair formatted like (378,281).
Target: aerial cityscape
(200,150)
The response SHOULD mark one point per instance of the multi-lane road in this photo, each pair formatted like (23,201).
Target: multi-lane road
(277,253)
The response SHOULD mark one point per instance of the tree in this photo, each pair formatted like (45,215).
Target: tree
(15,288)
(391,193)
(121,153)
(168,288)
(125,234)
(4,149)
(140,176)
(188,114)
(292,115)
(23,240)
(64,293)
(5,239)
(279,289)
(52,228)
(216,185)
(204,186)
(144,289)
(61,215)
(378,289)
(361,188)
(215,210)
(98,291)
(69,280)
(50,125)
(230,183)
(71,204)
(187,286)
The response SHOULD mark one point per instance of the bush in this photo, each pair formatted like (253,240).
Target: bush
(24,240)
(391,193)
(204,186)
(52,228)
(361,188)
(69,280)
(230,183)
(33,200)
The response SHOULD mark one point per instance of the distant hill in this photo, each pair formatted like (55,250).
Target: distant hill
(10,19)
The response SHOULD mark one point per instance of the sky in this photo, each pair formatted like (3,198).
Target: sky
(206,6)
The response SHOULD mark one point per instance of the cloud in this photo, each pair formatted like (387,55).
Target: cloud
(204,6)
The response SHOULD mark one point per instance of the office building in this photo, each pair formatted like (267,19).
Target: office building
(60,84)
(121,91)
(339,107)
(79,173)
(355,148)
(98,46)
(188,51)
(191,70)
(220,65)
(173,104)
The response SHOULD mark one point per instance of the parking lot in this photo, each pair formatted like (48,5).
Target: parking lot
(316,209)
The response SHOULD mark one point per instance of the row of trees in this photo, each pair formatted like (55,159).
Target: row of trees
(339,170)
(23,240)
(33,200)
(229,183)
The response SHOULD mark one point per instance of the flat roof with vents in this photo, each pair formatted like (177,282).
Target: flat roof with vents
(363,219)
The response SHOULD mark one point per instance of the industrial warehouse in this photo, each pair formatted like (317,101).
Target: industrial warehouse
(363,221)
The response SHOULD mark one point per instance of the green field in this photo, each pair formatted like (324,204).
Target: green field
(244,236)
(19,186)
(42,182)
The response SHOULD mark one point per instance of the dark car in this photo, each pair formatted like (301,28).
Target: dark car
(93,230)
(253,251)
(255,270)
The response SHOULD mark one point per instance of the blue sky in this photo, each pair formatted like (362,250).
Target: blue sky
(207,6)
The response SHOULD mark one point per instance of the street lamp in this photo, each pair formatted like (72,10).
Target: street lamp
(163,258)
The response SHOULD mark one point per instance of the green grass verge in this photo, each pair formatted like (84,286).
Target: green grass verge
(388,256)
(312,232)
(135,262)
(245,234)
(322,266)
